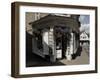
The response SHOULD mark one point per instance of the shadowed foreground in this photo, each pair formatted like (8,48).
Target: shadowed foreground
(33,60)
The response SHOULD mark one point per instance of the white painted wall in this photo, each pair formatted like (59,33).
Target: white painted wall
(5,40)
(45,43)
(59,54)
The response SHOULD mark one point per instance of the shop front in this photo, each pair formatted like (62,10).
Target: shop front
(55,37)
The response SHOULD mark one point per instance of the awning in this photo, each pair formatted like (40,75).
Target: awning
(54,20)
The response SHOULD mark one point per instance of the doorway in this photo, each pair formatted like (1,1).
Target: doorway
(62,39)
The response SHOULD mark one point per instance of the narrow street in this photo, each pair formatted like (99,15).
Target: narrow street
(82,59)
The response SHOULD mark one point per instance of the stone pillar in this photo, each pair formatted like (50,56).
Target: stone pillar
(70,49)
(45,42)
(71,43)
(74,44)
(52,45)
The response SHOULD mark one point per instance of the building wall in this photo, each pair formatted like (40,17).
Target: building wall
(84,36)
(31,17)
